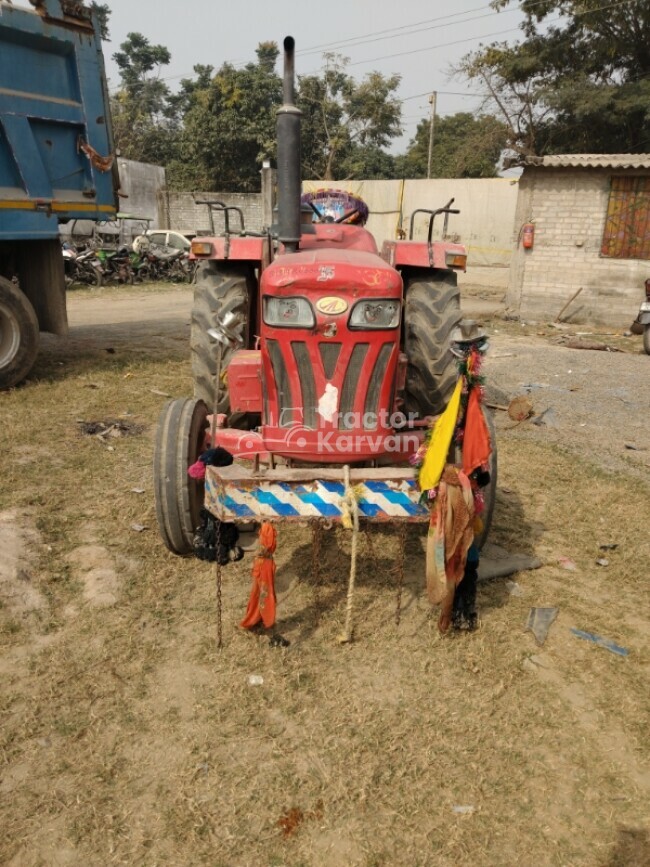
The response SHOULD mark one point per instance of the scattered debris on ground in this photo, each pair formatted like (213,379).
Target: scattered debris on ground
(540,621)
(110,427)
(601,642)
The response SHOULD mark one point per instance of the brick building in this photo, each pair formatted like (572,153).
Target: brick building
(591,217)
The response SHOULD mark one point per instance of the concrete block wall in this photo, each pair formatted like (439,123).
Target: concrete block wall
(179,211)
(484,225)
(141,183)
(568,208)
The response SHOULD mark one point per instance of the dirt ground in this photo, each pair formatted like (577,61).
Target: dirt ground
(127,738)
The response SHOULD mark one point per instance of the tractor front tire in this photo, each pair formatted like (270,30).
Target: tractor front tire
(219,288)
(431,312)
(19,334)
(180,439)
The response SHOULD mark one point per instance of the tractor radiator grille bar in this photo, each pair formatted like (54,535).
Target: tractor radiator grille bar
(377,380)
(307,384)
(329,353)
(351,384)
(285,401)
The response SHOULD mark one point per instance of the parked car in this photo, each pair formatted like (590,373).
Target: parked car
(168,238)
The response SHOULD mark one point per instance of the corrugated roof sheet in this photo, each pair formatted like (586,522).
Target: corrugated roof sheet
(591,161)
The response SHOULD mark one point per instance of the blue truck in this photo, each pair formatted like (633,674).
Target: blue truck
(57,163)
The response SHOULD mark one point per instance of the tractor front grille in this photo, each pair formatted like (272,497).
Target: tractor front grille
(302,408)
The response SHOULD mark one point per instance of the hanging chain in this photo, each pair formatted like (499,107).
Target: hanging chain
(316,538)
(217,572)
(399,568)
(369,539)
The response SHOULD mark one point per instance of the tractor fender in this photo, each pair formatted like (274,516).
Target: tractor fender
(234,248)
(419,254)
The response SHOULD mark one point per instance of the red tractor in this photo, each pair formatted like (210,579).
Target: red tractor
(320,358)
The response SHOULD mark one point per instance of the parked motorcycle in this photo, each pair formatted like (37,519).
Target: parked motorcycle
(641,324)
(82,268)
(117,266)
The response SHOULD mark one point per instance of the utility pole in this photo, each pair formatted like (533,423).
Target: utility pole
(432,100)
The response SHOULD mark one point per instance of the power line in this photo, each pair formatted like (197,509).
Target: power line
(376,36)
(440,45)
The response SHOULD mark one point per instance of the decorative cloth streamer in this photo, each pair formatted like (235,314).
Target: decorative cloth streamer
(261,603)
(451,532)
(438,448)
(197,471)
(476,438)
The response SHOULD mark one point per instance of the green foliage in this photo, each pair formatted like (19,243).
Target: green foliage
(103,14)
(578,82)
(228,125)
(464,146)
(144,122)
(346,123)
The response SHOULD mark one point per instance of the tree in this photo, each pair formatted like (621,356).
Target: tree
(144,121)
(228,124)
(465,146)
(103,14)
(578,82)
(346,123)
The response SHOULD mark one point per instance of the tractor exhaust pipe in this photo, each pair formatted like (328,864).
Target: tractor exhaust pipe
(288,133)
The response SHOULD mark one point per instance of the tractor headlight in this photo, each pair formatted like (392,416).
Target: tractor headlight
(288,312)
(375,313)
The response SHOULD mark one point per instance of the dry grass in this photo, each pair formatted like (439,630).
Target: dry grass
(127,738)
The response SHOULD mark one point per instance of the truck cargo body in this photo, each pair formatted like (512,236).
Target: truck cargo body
(56,156)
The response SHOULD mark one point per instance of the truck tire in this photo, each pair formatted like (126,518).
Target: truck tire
(431,312)
(219,288)
(180,439)
(19,334)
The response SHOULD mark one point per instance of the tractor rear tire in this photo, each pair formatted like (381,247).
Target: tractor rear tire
(19,334)
(220,288)
(431,312)
(646,339)
(180,439)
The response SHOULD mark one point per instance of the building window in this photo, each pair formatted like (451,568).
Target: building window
(627,227)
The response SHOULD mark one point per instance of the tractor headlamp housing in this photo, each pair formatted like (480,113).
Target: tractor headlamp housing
(288,312)
(375,313)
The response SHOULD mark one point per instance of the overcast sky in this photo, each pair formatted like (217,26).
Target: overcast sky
(418,39)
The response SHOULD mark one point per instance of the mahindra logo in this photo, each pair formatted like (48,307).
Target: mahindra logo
(331,305)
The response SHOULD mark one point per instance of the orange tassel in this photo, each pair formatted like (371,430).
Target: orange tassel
(261,603)
(476,439)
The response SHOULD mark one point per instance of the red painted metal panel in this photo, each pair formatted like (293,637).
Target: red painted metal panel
(415,254)
(239,249)
(245,381)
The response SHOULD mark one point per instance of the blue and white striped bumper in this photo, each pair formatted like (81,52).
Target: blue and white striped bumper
(236,493)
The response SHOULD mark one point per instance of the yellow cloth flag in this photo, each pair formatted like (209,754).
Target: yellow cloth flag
(438,448)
